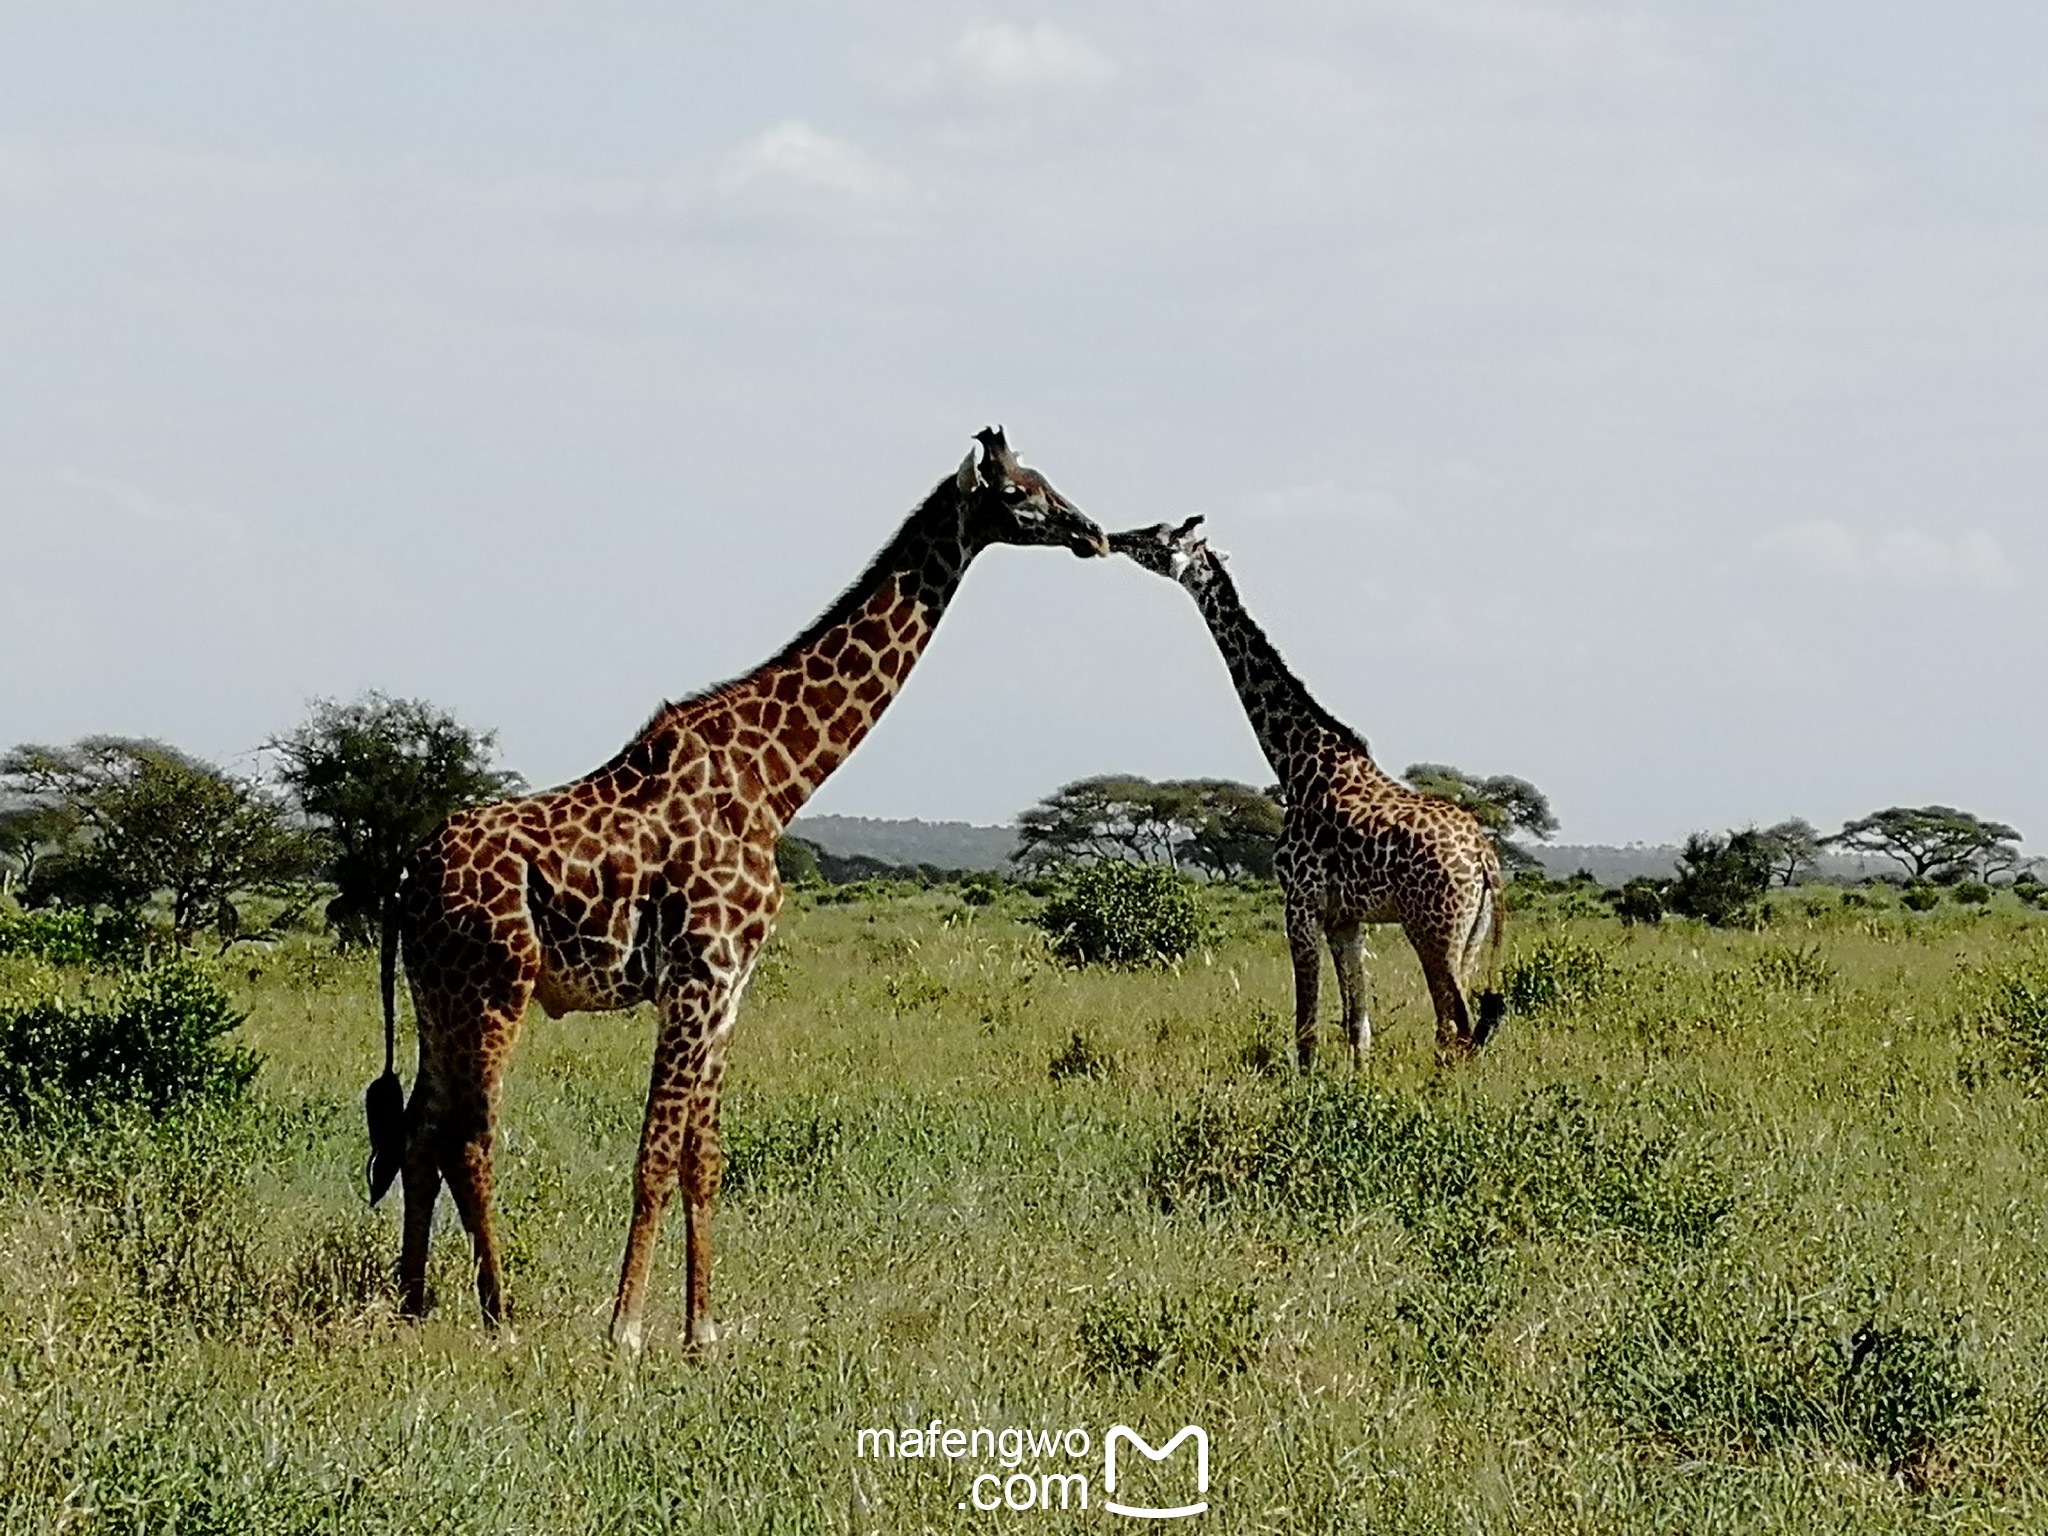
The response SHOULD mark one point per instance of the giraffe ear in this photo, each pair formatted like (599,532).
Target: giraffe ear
(969,477)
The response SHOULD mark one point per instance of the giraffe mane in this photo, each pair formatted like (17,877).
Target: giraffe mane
(841,608)
(1220,579)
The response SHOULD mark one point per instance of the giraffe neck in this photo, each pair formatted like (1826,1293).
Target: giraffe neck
(795,718)
(1295,732)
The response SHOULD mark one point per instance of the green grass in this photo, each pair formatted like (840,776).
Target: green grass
(1726,1232)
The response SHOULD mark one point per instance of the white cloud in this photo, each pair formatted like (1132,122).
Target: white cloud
(1002,60)
(794,167)
(1899,557)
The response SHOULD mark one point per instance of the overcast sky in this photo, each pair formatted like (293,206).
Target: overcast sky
(1650,400)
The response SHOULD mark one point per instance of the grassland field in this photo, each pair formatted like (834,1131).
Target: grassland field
(1728,1231)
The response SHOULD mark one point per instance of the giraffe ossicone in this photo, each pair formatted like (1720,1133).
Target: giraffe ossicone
(652,879)
(1356,845)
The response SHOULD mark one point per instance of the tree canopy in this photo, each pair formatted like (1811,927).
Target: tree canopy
(1793,847)
(1218,826)
(376,775)
(1722,879)
(1934,842)
(112,821)
(1502,803)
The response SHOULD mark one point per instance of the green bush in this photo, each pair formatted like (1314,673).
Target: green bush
(1971,893)
(1130,1336)
(1789,968)
(154,1044)
(1113,913)
(1722,880)
(1641,900)
(1559,974)
(778,1153)
(1721,1371)
(1920,898)
(1079,1057)
(71,935)
(1465,1179)
(2015,1015)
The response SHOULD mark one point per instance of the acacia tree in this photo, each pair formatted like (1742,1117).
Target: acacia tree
(1110,816)
(377,774)
(1934,842)
(1501,802)
(1793,847)
(126,818)
(1216,825)
(1234,827)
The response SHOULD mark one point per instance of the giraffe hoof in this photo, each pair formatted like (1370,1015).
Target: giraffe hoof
(1493,1011)
(703,1335)
(629,1337)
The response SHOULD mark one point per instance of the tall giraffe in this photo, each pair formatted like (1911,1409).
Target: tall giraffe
(1356,846)
(653,879)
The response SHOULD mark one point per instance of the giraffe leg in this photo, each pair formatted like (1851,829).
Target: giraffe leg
(468,1126)
(679,1137)
(422,1187)
(1453,1017)
(1303,929)
(703,1168)
(421,1170)
(1347,948)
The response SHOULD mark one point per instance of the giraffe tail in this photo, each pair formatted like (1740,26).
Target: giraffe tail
(384,1102)
(1493,1003)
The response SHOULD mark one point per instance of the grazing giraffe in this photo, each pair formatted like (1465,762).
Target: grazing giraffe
(1356,846)
(653,879)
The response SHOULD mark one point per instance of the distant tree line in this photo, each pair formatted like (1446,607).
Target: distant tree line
(122,824)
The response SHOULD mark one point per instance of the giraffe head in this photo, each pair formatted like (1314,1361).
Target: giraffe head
(1005,503)
(1175,552)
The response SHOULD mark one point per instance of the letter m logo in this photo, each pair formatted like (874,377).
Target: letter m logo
(1125,1435)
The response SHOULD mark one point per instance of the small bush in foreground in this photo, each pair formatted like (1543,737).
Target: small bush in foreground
(1732,1373)
(1464,1178)
(155,1044)
(1079,1057)
(1130,1336)
(2015,1015)
(1556,976)
(71,936)
(1113,913)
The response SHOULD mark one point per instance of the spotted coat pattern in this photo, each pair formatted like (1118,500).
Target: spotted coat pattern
(1356,845)
(653,879)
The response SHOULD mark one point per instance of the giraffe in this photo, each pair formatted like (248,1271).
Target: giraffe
(653,879)
(1356,846)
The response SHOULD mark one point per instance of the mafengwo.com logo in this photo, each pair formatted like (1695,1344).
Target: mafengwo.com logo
(1021,1470)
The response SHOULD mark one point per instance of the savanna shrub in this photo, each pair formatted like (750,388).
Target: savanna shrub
(1725,1370)
(1971,893)
(1789,968)
(1113,913)
(1920,898)
(776,1153)
(154,1044)
(980,888)
(2014,1014)
(1465,1179)
(1129,1336)
(1641,900)
(1079,1057)
(70,935)
(1558,974)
